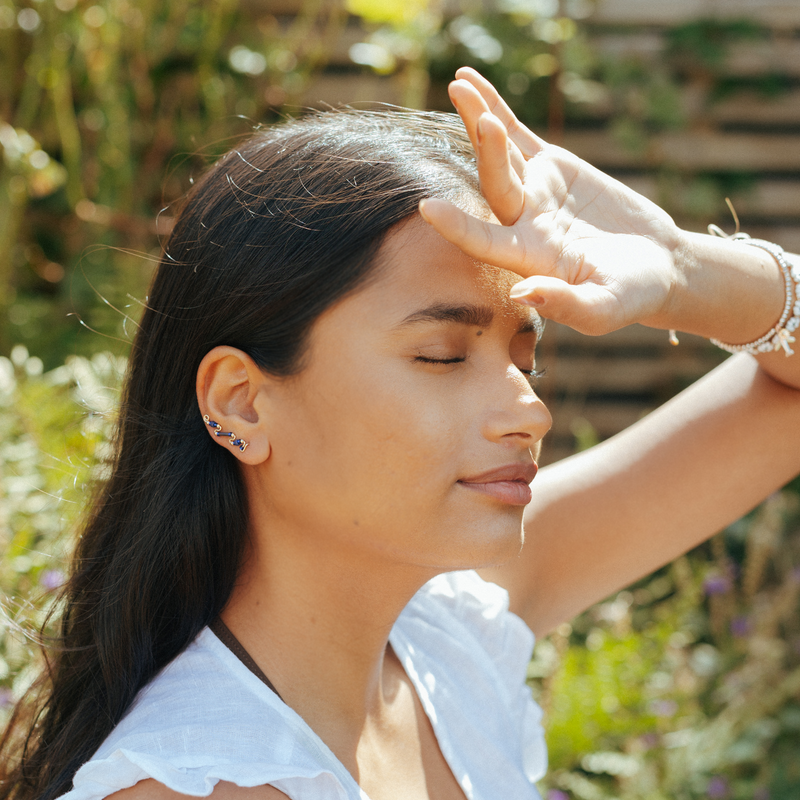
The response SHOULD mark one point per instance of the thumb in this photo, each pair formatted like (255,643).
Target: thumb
(586,307)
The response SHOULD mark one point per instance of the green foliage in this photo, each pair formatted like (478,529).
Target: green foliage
(98,102)
(535,53)
(706,41)
(54,431)
(674,86)
(397,13)
(647,89)
(687,686)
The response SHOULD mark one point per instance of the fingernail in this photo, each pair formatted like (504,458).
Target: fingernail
(421,208)
(534,300)
(522,289)
(526,294)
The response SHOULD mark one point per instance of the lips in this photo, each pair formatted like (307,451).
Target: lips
(508,484)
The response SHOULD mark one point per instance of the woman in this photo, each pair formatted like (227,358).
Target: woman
(329,416)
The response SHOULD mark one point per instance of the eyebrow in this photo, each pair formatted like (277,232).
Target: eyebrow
(471,315)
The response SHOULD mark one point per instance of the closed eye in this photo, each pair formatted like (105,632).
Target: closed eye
(531,374)
(428,360)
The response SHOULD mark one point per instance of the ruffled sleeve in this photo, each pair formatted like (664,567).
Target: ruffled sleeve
(206,718)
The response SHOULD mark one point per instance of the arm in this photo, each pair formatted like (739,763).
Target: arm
(597,256)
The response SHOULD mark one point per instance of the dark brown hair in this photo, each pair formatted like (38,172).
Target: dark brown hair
(277,231)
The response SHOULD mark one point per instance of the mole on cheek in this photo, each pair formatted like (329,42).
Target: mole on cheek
(479,333)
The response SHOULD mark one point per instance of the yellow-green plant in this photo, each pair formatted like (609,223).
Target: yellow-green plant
(54,436)
(107,110)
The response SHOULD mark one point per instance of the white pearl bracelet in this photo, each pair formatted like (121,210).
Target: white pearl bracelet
(780,336)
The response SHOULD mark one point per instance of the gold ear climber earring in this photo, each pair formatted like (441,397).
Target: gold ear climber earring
(233,441)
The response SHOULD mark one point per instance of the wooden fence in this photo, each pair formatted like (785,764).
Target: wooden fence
(612,381)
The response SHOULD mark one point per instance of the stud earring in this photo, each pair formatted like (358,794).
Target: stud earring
(233,441)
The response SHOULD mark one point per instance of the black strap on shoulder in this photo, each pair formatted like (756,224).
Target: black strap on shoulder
(223,633)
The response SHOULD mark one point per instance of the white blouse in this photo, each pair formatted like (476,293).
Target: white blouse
(206,717)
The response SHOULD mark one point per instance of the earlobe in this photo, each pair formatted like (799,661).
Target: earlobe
(230,392)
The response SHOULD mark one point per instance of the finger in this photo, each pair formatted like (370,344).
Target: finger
(470,106)
(500,183)
(586,307)
(484,241)
(517,160)
(527,141)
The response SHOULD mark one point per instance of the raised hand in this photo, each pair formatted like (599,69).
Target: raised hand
(596,255)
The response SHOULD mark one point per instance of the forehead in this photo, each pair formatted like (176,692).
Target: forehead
(416,268)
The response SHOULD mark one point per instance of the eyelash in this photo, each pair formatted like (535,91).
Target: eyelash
(426,360)
(531,374)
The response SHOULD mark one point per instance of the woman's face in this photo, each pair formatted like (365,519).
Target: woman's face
(412,429)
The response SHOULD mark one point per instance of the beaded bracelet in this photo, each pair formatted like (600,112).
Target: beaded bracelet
(779,336)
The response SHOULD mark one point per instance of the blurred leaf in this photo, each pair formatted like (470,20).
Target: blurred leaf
(392,12)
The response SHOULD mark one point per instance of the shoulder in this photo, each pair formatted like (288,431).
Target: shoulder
(153,790)
(204,717)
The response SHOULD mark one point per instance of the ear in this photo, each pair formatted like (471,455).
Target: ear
(232,391)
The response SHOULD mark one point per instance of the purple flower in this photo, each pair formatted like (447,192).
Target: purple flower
(52,579)
(740,626)
(650,740)
(664,708)
(716,584)
(557,794)
(6,698)
(718,788)
(762,793)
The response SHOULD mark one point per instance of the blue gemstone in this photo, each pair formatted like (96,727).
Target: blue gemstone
(212,424)
(220,432)
(237,442)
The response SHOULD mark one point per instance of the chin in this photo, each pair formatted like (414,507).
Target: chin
(491,545)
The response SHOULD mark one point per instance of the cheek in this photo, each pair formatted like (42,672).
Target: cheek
(374,459)
(398,428)
(373,432)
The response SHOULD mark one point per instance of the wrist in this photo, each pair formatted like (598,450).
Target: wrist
(779,336)
(685,269)
(723,289)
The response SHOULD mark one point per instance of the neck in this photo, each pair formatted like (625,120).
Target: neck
(316,616)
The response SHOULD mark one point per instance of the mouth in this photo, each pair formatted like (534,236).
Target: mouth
(508,484)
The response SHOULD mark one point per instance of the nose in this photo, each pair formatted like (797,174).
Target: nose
(516,414)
